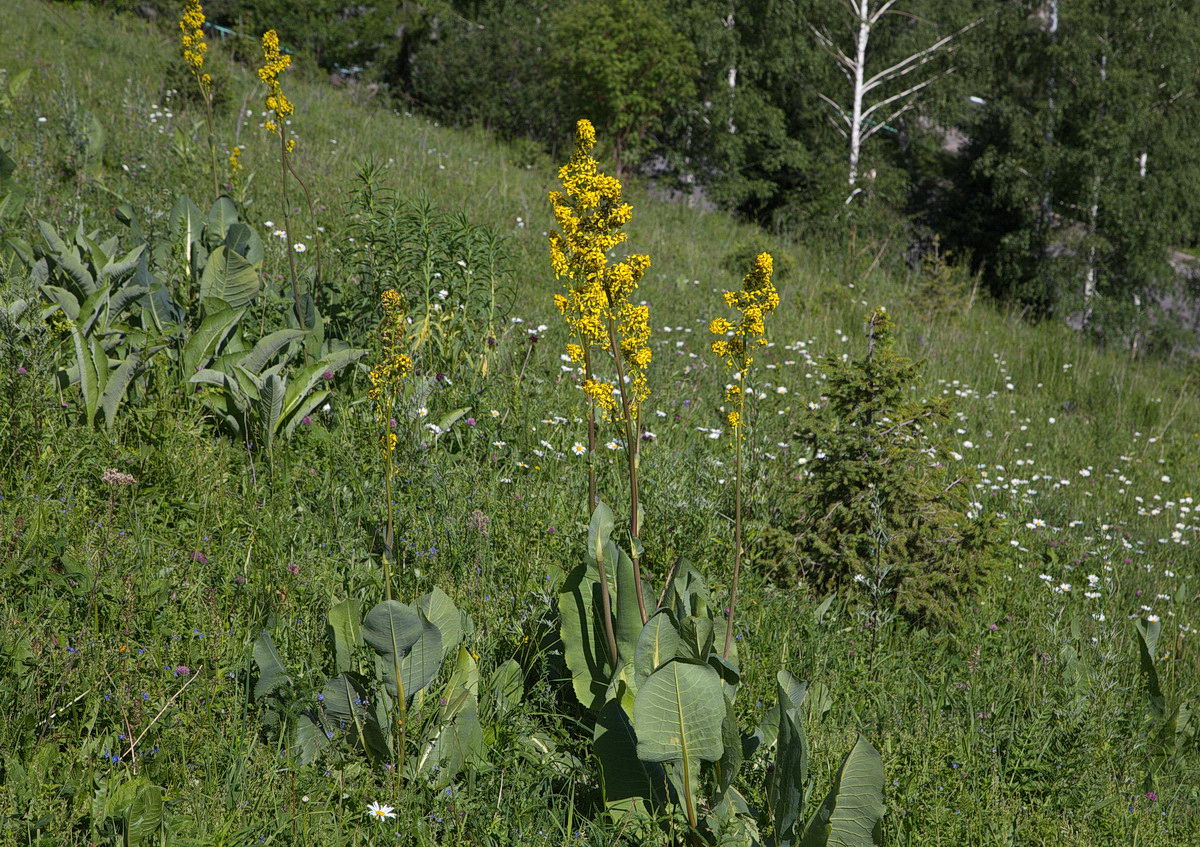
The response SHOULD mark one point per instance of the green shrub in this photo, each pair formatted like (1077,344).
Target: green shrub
(884,502)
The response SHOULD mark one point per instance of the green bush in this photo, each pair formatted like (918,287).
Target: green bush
(883,505)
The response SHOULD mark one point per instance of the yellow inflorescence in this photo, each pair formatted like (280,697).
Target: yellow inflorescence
(235,159)
(387,377)
(756,298)
(277,103)
(590,214)
(191,27)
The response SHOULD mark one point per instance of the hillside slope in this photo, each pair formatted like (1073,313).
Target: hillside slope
(134,614)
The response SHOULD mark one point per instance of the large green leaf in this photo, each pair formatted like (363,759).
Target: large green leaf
(600,529)
(244,241)
(187,229)
(628,613)
(204,342)
(138,804)
(271,672)
(68,258)
(507,686)
(853,810)
(114,389)
(678,714)
(302,411)
(1148,632)
(116,268)
(308,738)
(788,782)
(345,632)
(583,636)
(62,299)
(270,405)
(657,644)
(267,347)
(402,636)
(229,280)
(303,381)
(630,784)
(440,610)
(221,216)
(346,702)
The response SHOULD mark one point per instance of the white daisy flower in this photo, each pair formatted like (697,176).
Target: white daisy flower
(380,812)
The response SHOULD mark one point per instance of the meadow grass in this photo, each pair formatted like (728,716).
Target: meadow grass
(129,611)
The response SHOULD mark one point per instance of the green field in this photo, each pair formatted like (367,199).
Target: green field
(130,612)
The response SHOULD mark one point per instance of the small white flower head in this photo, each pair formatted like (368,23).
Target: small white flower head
(781,389)
(380,812)
(494,413)
(299,247)
(422,412)
(578,449)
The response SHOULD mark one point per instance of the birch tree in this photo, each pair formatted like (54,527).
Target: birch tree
(876,99)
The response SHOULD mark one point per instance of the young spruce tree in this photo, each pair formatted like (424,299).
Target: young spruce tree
(884,505)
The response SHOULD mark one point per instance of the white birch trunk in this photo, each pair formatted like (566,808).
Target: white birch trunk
(856,115)
(864,115)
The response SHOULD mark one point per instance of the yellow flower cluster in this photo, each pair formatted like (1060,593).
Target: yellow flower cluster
(235,159)
(596,303)
(191,25)
(387,377)
(274,63)
(756,298)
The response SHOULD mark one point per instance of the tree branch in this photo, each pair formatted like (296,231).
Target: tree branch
(914,61)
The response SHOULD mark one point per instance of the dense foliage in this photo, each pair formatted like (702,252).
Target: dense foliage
(884,500)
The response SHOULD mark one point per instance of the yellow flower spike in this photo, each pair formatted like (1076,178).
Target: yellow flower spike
(274,63)
(589,213)
(191,27)
(754,301)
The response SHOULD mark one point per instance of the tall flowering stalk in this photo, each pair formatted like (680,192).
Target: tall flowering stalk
(387,385)
(280,107)
(191,28)
(753,302)
(601,317)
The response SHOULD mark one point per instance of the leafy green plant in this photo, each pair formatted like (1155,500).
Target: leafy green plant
(1169,727)
(388,696)
(665,730)
(453,276)
(256,401)
(12,206)
(884,503)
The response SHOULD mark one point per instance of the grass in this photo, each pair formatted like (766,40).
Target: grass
(128,614)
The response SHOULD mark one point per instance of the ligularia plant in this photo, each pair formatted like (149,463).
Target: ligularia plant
(756,298)
(661,694)
(599,312)
(191,28)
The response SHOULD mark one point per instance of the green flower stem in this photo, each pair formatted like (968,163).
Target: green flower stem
(737,529)
(287,227)
(605,600)
(632,439)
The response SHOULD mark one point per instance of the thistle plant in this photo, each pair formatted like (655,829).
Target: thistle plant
(191,28)
(601,317)
(756,298)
